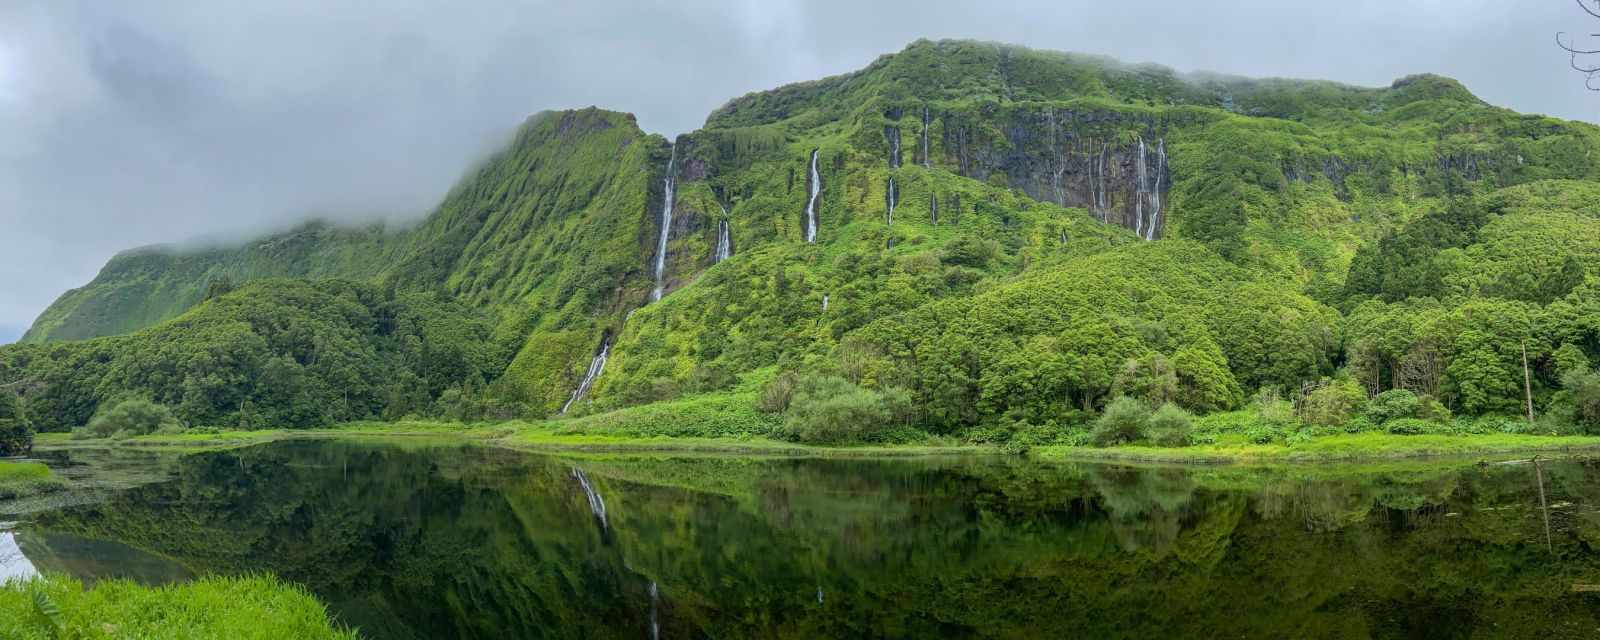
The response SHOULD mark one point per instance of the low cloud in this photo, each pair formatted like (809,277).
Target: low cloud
(123,124)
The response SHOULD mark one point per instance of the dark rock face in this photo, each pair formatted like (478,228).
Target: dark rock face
(1074,159)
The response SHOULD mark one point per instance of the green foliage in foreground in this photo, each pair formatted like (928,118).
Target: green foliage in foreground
(131,417)
(22,479)
(259,607)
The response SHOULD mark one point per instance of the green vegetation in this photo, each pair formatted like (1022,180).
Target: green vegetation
(1329,260)
(24,479)
(255,607)
(16,431)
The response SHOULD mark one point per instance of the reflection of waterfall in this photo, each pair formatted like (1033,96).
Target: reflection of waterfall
(14,565)
(724,242)
(666,226)
(595,367)
(597,505)
(655,607)
(811,202)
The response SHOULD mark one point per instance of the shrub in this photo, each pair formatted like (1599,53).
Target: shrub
(1582,393)
(131,417)
(1263,433)
(1124,420)
(1408,426)
(16,433)
(1169,426)
(1393,404)
(831,410)
(777,395)
(1333,403)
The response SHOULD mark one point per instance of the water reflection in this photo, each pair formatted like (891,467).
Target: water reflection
(474,543)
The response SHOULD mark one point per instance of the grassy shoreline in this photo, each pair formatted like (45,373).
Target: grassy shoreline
(56,606)
(26,479)
(556,436)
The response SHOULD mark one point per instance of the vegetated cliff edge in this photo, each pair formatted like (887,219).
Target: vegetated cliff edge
(936,173)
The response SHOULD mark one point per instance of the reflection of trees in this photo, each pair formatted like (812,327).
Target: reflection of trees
(475,543)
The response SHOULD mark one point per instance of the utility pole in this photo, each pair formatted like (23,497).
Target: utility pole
(1527,381)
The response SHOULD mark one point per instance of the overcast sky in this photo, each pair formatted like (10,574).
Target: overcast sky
(130,123)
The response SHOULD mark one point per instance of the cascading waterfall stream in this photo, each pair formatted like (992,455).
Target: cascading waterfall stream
(889,216)
(933,207)
(893,134)
(811,202)
(1139,193)
(724,242)
(927,151)
(655,608)
(596,366)
(824,302)
(666,227)
(1155,193)
(597,505)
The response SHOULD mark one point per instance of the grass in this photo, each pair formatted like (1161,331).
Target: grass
(25,479)
(1338,448)
(256,607)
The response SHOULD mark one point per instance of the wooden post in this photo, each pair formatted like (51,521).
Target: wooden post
(1527,381)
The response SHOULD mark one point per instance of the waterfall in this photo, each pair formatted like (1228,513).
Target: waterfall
(893,133)
(927,151)
(1139,193)
(824,302)
(597,505)
(890,194)
(724,242)
(1097,184)
(1155,193)
(655,607)
(666,227)
(811,202)
(596,366)
(933,207)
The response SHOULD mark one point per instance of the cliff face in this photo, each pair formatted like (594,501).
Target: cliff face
(936,169)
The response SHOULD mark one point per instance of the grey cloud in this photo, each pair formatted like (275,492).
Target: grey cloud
(124,124)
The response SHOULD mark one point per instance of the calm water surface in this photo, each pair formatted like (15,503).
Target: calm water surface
(448,542)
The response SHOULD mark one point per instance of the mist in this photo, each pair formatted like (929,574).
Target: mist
(127,124)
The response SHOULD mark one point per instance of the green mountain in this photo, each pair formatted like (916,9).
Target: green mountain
(998,233)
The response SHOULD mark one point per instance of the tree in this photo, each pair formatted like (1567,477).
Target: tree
(1580,57)
(16,432)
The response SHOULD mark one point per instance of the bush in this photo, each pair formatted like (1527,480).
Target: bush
(1393,404)
(1124,420)
(831,410)
(777,395)
(1408,426)
(16,433)
(1333,403)
(1169,426)
(1582,393)
(131,417)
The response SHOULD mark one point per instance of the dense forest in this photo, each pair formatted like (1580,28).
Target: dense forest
(965,239)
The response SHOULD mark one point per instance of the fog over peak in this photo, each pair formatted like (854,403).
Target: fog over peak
(133,123)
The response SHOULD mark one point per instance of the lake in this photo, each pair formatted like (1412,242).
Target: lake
(423,541)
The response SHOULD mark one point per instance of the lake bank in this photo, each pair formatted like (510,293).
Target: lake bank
(551,436)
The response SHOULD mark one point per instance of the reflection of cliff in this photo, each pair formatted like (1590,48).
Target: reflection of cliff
(477,543)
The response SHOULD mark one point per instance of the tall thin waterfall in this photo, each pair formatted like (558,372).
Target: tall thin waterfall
(933,207)
(893,134)
(824,302)
(597,505)
(927,151)
(1147,196)
(596,366)
(1097,184)
(724,242)
(655,606)
(666,226)
(811,202)
(1138,196)
(891,195)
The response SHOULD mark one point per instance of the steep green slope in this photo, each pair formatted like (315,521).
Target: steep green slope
(965,221)
(142,287)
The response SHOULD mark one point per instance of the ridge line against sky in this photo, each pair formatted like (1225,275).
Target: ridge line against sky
(126,124)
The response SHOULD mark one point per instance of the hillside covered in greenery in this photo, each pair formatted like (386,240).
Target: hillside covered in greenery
(963,238)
